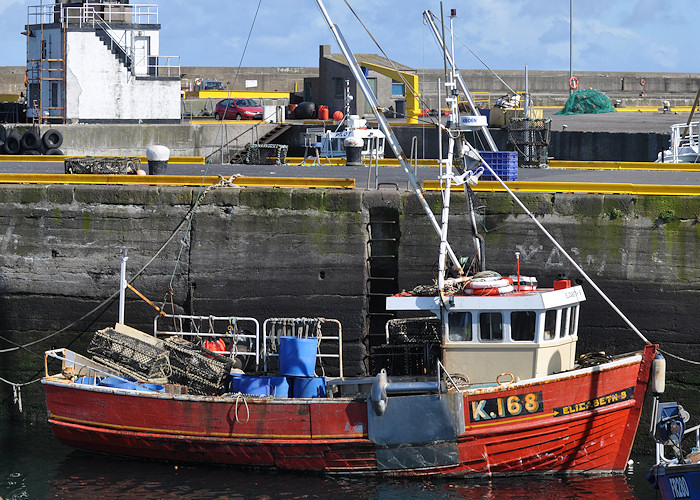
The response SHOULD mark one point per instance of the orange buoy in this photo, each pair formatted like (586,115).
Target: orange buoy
(338,116)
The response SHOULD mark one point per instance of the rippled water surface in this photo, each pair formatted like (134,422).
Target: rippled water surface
(33,464)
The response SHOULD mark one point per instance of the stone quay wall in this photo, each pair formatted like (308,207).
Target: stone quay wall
(300,252)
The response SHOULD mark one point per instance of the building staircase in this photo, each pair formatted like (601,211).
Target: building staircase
(240,155)
(113,45)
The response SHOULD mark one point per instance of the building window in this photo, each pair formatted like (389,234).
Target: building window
(339,88)
(491,327)
(522,325)
(460,326)
(398,88)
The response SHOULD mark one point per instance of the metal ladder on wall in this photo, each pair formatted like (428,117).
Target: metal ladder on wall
(47,71)
(382,272)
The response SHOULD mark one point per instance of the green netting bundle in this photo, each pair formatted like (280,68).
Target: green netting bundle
(587,101)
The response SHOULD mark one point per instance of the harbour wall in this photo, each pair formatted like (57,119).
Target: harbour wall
(298,252)
(207,139)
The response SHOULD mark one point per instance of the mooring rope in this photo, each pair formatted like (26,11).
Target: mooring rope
(240,396)
(187,218)
(679,358)
(17,390)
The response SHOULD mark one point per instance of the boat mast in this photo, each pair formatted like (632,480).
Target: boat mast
(384,126)
(428,16)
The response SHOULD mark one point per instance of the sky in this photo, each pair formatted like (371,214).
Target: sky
(608,35)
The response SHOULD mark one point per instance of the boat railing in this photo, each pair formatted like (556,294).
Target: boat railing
(76,365)
(328,331)
(440,369)
(684,135)
(660,448)
(240,335)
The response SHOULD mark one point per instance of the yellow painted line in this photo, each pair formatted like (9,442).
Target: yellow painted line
(503,421)
(579,187)
(156,430)
(175,180)
(223,94)
(176,160)
(213,121)
(624,165)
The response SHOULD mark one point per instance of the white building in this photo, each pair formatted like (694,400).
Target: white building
(99,62)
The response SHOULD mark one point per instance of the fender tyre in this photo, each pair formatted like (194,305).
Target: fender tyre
(13,143)
(52,139)
(31,140)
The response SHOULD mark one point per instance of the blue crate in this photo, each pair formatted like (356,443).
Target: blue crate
(504,163)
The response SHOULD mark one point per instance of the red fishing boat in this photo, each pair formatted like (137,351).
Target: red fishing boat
(485,381)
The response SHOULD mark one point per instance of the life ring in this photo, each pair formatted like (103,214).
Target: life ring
(479,283)
(506,374)
(483,292)
(573,83)
(197,81)
(642,82)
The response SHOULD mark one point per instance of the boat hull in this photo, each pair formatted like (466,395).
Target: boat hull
(579,421)
(677,481)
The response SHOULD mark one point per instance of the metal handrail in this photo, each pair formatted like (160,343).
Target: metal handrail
(661,457)
(267,353)
(227,333)
(254,128)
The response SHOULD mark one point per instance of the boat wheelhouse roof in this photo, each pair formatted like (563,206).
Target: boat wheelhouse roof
(541,299)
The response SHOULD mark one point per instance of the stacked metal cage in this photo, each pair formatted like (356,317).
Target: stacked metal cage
(530,138)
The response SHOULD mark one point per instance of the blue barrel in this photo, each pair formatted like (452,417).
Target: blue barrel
(310,387)
(279,387)
(235,381)
(254,385)
(298,356)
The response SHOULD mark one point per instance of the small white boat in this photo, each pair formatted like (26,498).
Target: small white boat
(684,144)
(333,142)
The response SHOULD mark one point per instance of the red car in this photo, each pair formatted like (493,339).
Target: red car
(238,108)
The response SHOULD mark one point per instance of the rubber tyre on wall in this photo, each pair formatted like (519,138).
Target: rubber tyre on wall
(54,151)
(13,143)
(31,140)
(52,138)
(31,152)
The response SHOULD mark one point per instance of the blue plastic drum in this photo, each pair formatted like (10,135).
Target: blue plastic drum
(298,356)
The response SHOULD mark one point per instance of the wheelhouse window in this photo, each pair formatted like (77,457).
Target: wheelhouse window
(573,321)
(522,325)
(550,324)
(491,327)
(460,326)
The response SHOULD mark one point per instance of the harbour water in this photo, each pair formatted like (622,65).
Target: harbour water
(33,464)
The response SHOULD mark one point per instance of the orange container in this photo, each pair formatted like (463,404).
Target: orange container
(323,112)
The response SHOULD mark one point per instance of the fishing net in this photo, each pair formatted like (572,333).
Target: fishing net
(413,349)
(587,101)
(139,356)
(102,165)
(203,371)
